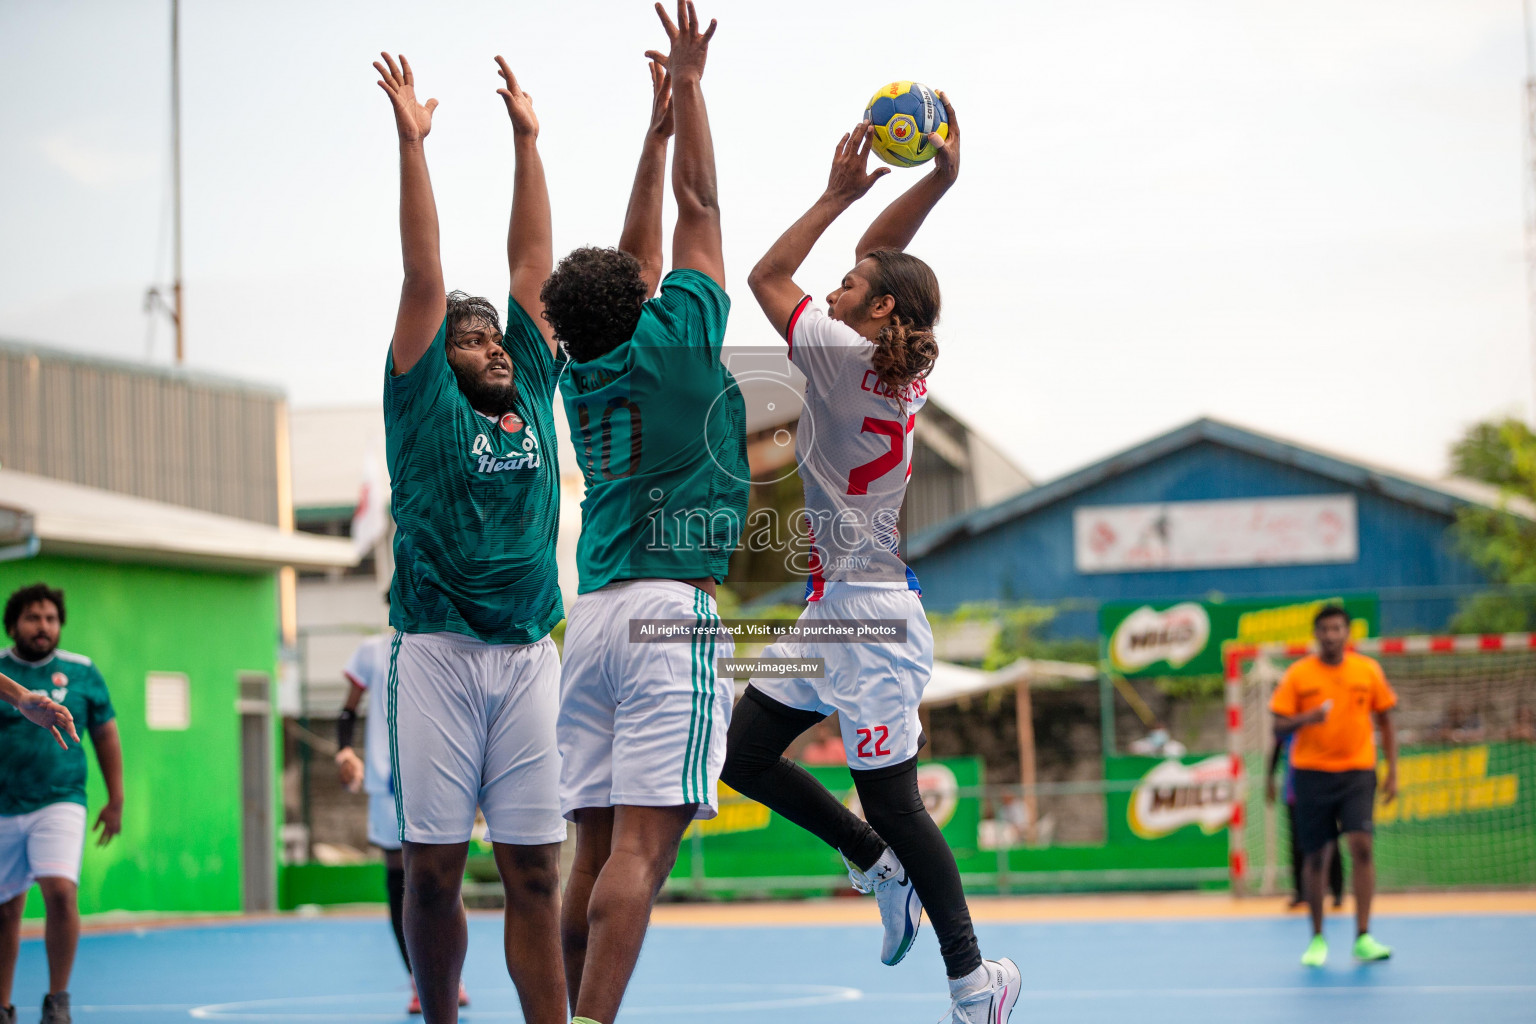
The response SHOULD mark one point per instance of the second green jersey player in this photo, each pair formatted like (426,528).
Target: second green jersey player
(658,426)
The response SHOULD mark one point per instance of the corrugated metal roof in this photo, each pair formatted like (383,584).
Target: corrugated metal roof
(200,378)
(70,519)
(1443,496)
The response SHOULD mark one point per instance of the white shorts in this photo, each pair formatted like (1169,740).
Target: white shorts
(642,724)
(45,843)
(874,688)
(473,724)
(383,822)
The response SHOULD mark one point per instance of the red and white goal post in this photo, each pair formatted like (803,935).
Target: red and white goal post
(1465,815)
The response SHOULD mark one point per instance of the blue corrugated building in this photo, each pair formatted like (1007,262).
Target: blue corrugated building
(1216,509)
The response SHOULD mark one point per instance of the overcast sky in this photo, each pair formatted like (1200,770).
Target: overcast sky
(1303,216)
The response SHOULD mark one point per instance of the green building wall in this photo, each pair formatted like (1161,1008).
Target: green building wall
(180,849)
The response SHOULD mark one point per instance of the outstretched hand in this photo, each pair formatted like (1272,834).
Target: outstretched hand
(947,159)
(661,95)
(412,120)
(690,47)
(850,177)
(39,710)
(519,103)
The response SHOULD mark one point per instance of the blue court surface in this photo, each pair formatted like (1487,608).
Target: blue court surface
(1446,968)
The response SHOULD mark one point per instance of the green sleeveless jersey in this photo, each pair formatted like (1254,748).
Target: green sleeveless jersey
(34,771)
(659,428)
(476,499)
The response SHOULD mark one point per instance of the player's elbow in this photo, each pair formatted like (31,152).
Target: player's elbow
(698,200)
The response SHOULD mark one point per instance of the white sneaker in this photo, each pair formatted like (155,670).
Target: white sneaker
(990,1005)
(901,912)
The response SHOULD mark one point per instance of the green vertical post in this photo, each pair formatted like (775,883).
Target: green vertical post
(1106,714)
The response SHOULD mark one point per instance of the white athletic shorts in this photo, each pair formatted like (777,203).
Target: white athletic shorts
(874,688)
(473,724)
(383,824)
(642,724)
(45,843)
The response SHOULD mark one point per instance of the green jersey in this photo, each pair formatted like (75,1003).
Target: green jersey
(660,431)
(476,498)
(34,771)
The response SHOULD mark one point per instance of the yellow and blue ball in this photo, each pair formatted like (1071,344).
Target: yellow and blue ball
(903,114)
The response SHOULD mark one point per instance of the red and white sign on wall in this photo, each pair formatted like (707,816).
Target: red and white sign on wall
(1216,534)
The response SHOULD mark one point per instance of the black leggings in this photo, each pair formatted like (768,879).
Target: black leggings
(394,881)
(755,766)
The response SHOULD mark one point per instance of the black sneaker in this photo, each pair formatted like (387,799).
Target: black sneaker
(7,1015)
(55,1009)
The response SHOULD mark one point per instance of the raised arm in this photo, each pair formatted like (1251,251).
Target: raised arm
(898,223)
(696,241)
(772,280)
(641,237)
(422,298)
(530,238)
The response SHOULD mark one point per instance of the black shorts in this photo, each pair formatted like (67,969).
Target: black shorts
(1328,803)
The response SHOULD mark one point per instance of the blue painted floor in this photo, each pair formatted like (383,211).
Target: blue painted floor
(1446,969)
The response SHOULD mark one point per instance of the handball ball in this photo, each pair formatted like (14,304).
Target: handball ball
(903,114)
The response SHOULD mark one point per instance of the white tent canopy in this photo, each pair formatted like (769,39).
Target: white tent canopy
(950,682)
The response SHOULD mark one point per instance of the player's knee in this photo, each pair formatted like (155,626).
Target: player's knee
(431,885)
(533,877)
(58,894)
(1360,849)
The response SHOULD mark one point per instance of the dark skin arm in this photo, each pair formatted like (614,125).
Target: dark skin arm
(422,298)
(109,754)
(641,237)
(1287,724)
(772,280)
(1389,748)
(696,243)
(898,223)
(530,236)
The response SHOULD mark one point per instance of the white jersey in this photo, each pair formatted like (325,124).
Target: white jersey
(369,668)
(854,448)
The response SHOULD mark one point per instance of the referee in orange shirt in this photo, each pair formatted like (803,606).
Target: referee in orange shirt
(1331,700)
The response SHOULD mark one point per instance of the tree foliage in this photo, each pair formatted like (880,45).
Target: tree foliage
(1499,541)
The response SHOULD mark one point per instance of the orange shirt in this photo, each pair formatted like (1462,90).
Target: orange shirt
(1346,739)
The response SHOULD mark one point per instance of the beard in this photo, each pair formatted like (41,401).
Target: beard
(35,648)
(491,399)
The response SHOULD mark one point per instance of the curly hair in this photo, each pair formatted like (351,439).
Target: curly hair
(593,301)
(26,597)
(905,348)
(464,308)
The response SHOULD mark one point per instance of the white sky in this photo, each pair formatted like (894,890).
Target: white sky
(1304,216)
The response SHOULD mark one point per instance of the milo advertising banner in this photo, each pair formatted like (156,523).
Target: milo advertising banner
(1185,638)
(1185,800)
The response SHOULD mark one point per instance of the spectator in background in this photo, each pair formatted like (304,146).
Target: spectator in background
(1524,729)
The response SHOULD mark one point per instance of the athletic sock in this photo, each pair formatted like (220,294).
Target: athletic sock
(887,866)
(972,983)
(582,1020)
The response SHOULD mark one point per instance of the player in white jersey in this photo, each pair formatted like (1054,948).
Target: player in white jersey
(865,359)
(368,672)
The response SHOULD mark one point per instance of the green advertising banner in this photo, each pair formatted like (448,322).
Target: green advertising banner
(1185,638)
(747,840)
(1185,801)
